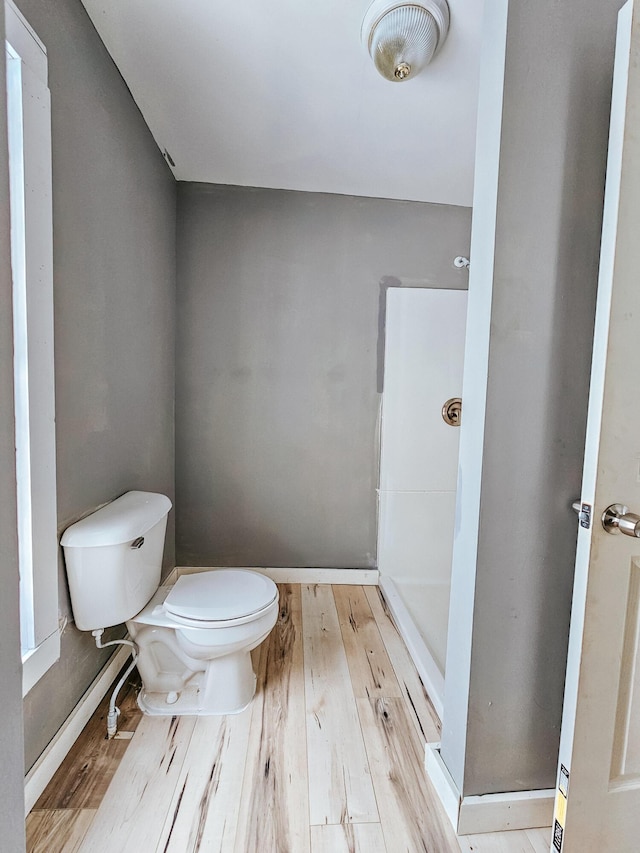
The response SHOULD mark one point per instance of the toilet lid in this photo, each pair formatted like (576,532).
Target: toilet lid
(220,595)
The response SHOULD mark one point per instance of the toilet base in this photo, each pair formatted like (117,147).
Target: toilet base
(227,686)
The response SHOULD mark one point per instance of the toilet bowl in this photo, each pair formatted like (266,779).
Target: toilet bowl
(194,639)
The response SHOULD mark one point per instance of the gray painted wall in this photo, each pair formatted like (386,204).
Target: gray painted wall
(114,300)
(277,360)
(276,372)
(11,735)
(553,144)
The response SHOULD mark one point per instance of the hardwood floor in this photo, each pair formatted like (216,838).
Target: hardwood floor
(327,759)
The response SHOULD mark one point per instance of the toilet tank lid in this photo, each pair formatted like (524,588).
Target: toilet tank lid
(122,520)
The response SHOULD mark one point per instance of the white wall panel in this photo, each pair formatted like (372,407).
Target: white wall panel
(424,353)
(416,536)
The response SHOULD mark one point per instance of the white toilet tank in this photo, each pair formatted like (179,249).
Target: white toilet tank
(114,559)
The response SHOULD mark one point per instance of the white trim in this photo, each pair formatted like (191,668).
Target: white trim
(424,662)
(474,386)
(38,660)
(172,577)
(441,780)
(358,577)
(29,141)
(501,812)
(24,40)
(42,771)
(491,812)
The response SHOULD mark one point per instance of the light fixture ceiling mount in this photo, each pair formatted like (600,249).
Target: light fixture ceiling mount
(403,38)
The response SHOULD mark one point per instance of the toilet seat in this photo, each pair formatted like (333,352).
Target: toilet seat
(218,599)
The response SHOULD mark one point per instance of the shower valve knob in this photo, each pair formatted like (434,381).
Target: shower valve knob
(452,412)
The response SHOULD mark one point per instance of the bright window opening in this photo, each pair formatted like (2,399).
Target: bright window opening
(29,137)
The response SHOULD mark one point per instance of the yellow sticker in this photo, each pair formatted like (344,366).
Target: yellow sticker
(560,810)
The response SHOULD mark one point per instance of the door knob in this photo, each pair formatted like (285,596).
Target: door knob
(617,519)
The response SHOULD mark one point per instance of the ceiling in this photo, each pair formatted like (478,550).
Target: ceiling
(283,94)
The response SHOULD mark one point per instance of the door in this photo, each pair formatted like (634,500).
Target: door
(598,796)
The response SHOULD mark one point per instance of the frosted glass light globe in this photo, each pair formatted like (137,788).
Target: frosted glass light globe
(402,39)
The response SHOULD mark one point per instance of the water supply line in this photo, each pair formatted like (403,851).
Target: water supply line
(114,711)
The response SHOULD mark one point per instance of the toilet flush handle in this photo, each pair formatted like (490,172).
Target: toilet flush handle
(137,543)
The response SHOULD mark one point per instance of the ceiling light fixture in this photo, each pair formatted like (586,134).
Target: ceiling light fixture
(402,39)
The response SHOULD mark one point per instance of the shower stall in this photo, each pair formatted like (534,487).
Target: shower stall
(419,477)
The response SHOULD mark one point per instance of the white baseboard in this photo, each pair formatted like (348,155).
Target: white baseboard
(512,810)
(42,771)
(491,812)
(359,577)
(428,669)
(171,578)
(441,780)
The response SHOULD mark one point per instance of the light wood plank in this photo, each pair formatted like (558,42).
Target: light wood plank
(203,813)
(540,839)
(44,769)
(57,830)
(412,818)
(182,785)
(274,806)
(371,671)
(348,838)
(497,842)
(132,813)
(340,788)
(422,713)
(83,777)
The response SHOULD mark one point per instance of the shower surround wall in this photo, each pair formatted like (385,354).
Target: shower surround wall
(114,302)
(278,362)
(424,355)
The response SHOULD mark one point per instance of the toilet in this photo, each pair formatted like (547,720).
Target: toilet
(194,639)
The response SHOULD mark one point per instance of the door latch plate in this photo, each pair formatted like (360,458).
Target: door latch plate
(585,515)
